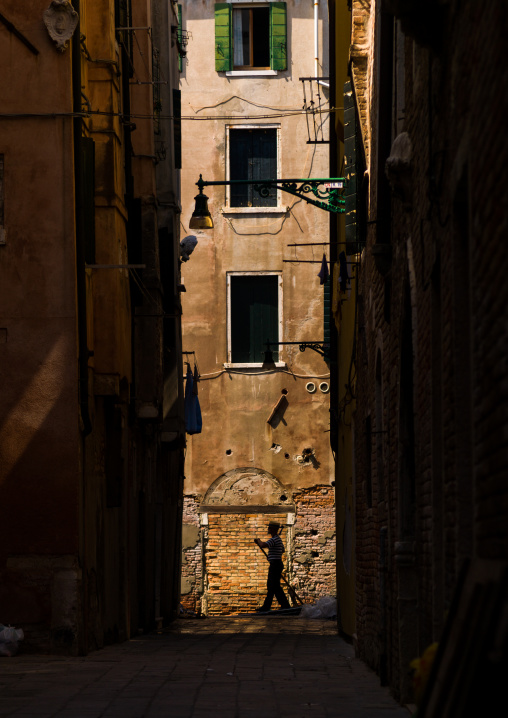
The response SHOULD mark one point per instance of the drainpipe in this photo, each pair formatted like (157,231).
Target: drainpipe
(83,352)
(316,38)
(81,312)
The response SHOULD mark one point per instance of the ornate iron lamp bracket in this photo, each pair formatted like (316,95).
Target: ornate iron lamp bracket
(327,191)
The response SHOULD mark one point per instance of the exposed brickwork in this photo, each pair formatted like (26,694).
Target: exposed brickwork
(192,569)
(233,578)
(236,568)
(313,550)
(437,340)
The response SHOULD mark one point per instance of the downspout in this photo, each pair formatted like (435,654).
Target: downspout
(316,45)
(316,38)
(83,353)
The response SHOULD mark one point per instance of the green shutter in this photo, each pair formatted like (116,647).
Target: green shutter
(180,62)
(278,36)
(351,173)
(327,309)
(223,40)
(177,127)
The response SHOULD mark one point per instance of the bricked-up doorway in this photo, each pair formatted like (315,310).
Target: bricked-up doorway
(235,568)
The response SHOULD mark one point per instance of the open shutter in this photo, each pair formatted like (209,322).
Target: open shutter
(180,28)
(327,309)
(223,42)
(177,127)
(278,36)
(351,195)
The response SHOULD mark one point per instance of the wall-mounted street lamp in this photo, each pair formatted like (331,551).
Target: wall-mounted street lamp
(328,188)
(319,347)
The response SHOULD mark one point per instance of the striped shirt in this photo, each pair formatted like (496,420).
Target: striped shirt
(275,548)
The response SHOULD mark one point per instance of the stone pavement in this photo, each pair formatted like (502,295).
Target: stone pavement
(228,667)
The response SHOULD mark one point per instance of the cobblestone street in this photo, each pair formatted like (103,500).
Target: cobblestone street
(228,667)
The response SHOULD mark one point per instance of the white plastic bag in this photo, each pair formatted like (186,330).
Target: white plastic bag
(326,607)
(9,640)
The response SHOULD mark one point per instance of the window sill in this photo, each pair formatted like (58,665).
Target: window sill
(259,365)
(251,73)
(254,210)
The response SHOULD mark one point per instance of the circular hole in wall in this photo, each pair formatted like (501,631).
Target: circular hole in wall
(228,452)
(283,497)
(333,483)
(315,554)
(284,391)
(311,387)
(286,456)
(325,387)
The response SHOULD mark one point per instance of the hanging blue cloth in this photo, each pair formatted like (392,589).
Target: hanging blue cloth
(193,421)
(323,273)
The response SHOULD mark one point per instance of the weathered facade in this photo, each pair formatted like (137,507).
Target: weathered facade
(429,84)
(91,417)
(264,449)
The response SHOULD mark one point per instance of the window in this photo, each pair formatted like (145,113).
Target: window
(252,156)
(250,38)
(254,315)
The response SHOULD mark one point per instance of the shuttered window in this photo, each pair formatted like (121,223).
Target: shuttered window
(326,317)
(177,127)
(252,156)
(248,38)
(354,168)
(180,37)
(254,316)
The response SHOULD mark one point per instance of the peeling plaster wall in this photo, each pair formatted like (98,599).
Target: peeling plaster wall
(257,425)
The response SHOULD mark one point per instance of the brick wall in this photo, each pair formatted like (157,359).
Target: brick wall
(236,568)
(192,565)
(448,272)
(313,549)
(233,577)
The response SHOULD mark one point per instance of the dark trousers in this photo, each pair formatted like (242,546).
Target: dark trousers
(273,586)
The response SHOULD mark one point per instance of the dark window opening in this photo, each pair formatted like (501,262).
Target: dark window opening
(254,312)
(251,38)
(252,156)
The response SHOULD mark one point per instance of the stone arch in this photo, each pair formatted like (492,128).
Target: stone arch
(248,487)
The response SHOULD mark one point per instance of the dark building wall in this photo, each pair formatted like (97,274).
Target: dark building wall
(432,334)
(90,485)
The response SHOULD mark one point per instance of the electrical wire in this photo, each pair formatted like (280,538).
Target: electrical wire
(243,99)
(139,116)
(216,375)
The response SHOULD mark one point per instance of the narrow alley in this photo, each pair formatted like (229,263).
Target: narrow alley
(228,667)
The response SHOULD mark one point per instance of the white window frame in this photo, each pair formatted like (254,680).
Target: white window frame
(279,208)
(252,365)
(245,72)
